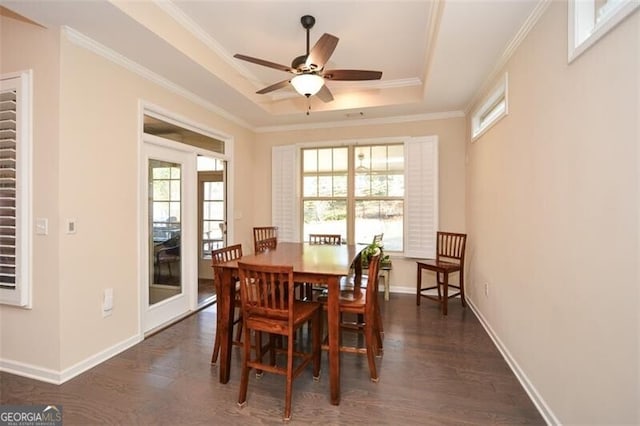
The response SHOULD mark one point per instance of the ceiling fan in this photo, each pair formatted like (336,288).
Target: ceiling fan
(308,70)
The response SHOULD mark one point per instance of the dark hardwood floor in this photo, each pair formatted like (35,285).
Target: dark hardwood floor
(435,371)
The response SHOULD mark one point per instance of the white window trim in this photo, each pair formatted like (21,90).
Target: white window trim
(21,295)
(584,31)
(501,90)
(421,179)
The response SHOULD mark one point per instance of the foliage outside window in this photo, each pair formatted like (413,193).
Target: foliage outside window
(356,191)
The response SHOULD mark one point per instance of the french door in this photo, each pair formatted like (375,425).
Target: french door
(169,223)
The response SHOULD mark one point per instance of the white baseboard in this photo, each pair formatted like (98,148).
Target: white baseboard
(59,377)
(403,290)
(535,397)
(30,371)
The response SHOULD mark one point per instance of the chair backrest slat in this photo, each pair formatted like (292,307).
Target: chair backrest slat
(262,233)
(331,239)
(267,290)
(226,254)
(450,246)
(266,244)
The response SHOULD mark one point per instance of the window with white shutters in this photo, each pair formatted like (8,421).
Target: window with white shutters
(360,190)
(15,157)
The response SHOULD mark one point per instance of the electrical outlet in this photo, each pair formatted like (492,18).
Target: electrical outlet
(486,289)
(107,302)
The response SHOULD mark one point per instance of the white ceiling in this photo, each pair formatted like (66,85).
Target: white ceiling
(435,55)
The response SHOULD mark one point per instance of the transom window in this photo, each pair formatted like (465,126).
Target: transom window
(356,191)
(589,20)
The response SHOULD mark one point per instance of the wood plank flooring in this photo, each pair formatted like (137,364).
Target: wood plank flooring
(435,371)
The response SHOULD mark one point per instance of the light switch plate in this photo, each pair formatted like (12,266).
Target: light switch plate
(42,226)
(71,226)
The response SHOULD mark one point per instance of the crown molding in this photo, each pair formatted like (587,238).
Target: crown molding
(363,122)
(88,43)
(512,46)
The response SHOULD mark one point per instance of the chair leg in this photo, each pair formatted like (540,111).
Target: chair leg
(239,330)
(289,388)
(419,286)
(462,298)
(371,352)
(216,348)
(216,341)
(378,332)
(258,348)
(244,378)
(316,329)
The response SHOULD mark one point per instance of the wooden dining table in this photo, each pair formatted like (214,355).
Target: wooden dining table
(316,264)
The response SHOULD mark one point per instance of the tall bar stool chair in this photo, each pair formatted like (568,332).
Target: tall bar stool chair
(450,248)
(264,233)
(218,256)
(363,304)
(268,306)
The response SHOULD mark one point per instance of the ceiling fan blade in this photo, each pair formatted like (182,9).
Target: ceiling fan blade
(325,94)
(275,86)
(352,75)
(321,51)
(264,63)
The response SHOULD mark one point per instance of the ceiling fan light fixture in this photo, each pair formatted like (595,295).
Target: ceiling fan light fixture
(307,84)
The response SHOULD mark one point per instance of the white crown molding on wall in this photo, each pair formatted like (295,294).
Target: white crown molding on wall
(363,122)
(88,43)
(197,31)
(522,33)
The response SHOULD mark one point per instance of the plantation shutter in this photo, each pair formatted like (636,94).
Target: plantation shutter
(284,204)
(14,185)
(421,196)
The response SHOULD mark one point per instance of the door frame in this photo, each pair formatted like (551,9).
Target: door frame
(167,310)
(147,108)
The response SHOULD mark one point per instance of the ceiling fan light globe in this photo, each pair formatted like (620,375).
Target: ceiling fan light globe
(307,84)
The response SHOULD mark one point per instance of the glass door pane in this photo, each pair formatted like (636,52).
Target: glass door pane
(165,230)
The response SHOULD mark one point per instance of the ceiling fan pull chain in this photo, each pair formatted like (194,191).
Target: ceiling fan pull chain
(308,104)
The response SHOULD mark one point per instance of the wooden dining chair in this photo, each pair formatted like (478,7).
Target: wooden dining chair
(268,305)
(363,304)
(331,239)
(450,248)
(218,256)
(319,239)
(261,233)
(266,244)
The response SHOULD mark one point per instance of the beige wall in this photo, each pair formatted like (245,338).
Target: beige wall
(451,150)
(86,168)
(553,218)
(31,336)
(98,166)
